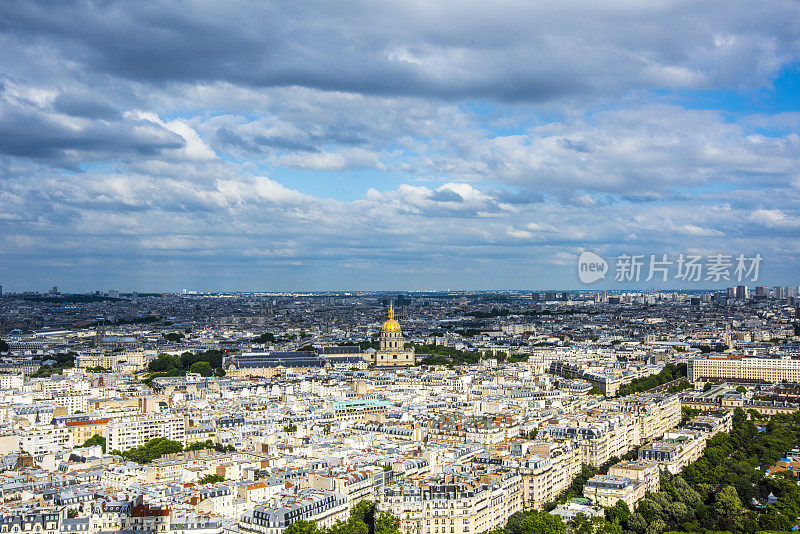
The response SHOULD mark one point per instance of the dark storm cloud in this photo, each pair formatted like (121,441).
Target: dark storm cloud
(85,105)
(517,51)
(39,134)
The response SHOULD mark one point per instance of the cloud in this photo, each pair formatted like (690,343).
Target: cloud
(454,49)
(359,144)
(70,132)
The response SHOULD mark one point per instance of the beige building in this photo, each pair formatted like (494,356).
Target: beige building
(606,490)
(446,505)
(354,484)
(639,471)
(548,472)
(83,430)
(678,449)
(657,413)
(392,351)
(735,366)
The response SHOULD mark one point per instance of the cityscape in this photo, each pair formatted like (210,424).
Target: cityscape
(399,267)
(410,413)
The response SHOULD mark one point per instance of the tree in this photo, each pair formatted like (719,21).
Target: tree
(210,479)
(71,514)
(543,523)
(728,510)
(387,523)
(290,428)
(595,525)
(3,346)
(301,526)
(97,439)
(707,386)
(364,511)
(637,523)
(741,389)
(619,513)
(163,362)
(264,338)
(201,368)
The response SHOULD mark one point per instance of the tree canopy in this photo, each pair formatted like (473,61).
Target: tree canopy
(362,520)
(97,439)
(669,373)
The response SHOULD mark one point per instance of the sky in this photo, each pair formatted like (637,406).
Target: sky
(410,145)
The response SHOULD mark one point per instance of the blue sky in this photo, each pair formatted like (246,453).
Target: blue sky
(393,145)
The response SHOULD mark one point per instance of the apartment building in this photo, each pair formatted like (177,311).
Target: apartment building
(83,430)
(639,471)
(353,410)
(131,432)
(656,413)
(712,367)
(73,402)
(324,507)
(599,437)
(354,484)
(457,429)
(606,490)
(676,450)
(445,505)
(44,439)
(711,422)
(548,472)
(31,519)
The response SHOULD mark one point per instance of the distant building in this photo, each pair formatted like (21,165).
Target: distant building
(392,351)
(715,367)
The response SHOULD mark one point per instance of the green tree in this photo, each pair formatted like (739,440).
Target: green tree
(201,368)
(594,525)
(364,511)
(3,346)
(637,523)
(543,523)
(264,338)
(301,526)
(387,523)
(210,479)
(97,439)
(728,510)
(619,513)
(163,362)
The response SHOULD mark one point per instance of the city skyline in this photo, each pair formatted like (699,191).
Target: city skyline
(399,146)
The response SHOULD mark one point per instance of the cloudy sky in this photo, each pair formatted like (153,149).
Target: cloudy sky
(392,145)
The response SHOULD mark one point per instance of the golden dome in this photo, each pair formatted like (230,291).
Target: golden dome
(390,325)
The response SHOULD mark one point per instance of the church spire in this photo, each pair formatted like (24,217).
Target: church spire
(391,310)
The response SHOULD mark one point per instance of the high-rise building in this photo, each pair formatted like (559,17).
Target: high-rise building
(779,292)
(761,292)
(741,292)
